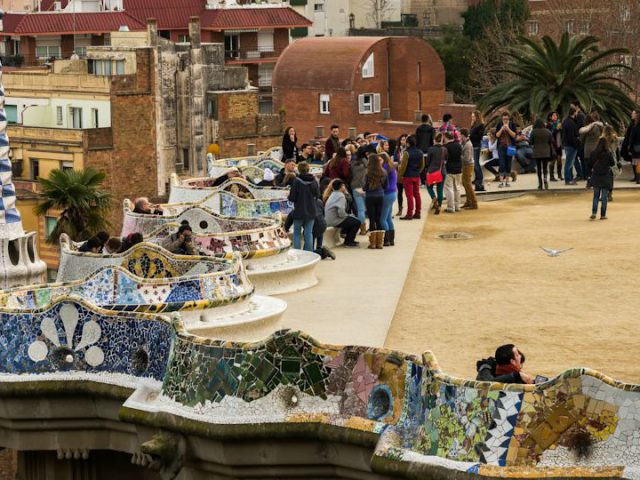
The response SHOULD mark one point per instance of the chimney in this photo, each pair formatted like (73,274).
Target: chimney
(152,32)
(194,31)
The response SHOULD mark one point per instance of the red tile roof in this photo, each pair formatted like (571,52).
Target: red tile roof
(56,23)
(170,15)
(245,18)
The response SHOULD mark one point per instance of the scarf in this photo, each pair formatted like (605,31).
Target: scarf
(506,369)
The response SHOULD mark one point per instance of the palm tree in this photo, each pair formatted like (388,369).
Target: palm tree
(78,194)
(543,77)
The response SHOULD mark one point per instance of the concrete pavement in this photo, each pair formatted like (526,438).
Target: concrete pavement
(356,298)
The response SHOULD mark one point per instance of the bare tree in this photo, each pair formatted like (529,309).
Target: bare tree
(487,55)
(379,10)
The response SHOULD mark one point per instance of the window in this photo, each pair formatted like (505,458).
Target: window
(12,113)
(212,108)
(95,118)
(183,39)
(625,13)
(59,119)
(265,74)
(265,40)
(420,101)
(35,169)
(568,27)
(76,117)
(318,7)
(66,166)
(185,158)
(419,72)
(81,51)
(165,34)
(324,103)
(369,103)
(49,224)
(584,28)
(48,51)
(106,67)
(533,28)
(367,68)
(232,46)
(265,106)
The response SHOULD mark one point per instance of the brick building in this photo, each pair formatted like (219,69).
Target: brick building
(154,115)
(253,35)
(370,83)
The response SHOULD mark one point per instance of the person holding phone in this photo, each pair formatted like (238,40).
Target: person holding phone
(506,134)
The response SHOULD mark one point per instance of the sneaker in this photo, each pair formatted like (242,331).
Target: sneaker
(501,184)
(507,184)
(450,210)
(593,216)
(603,218)
(351,244)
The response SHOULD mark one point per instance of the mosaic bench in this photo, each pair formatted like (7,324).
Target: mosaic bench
(430,425)
(209,292)
(417,421)
(272,265)
(71,335)
(193,190)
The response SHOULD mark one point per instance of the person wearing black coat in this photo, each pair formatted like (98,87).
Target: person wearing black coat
(598,166)
(290,144)
(303,195)
(571,144)
(476,134)
(424,134)
(630,149)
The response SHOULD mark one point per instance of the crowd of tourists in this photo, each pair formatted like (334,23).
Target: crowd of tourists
(363,177)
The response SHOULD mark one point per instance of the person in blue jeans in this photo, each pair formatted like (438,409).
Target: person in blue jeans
(598,166)
(506,134)
(358,170)
(570,144)
(390,195)
(303,195)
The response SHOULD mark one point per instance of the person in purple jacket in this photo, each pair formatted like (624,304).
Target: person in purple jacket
(390,194)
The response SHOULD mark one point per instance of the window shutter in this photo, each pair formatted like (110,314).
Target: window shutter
(376,102)
(361,103)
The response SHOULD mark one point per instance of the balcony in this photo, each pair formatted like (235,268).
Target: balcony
(255,55)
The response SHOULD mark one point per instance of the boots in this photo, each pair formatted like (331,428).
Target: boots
(387,238)
(436,209)
(379,239)
(392,238)
(363,229)
(373,237)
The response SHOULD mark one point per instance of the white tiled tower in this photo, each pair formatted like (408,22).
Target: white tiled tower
(19,260)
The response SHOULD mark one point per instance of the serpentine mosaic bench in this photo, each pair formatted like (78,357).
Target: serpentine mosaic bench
(209,292)
(418,421)
(194,190)
(273,266)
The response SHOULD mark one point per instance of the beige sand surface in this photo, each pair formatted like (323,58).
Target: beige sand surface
(463,298)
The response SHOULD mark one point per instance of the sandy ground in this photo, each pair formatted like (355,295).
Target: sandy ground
(463,298)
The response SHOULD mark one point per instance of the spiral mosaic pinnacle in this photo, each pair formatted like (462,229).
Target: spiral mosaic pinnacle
(10,221)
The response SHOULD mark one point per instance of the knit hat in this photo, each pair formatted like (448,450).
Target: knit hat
(268,175)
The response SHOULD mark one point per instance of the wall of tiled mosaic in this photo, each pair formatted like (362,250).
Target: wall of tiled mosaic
(201,219)
(576,424)
(266,239)
(193,190)
(146,281)
(70,335)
